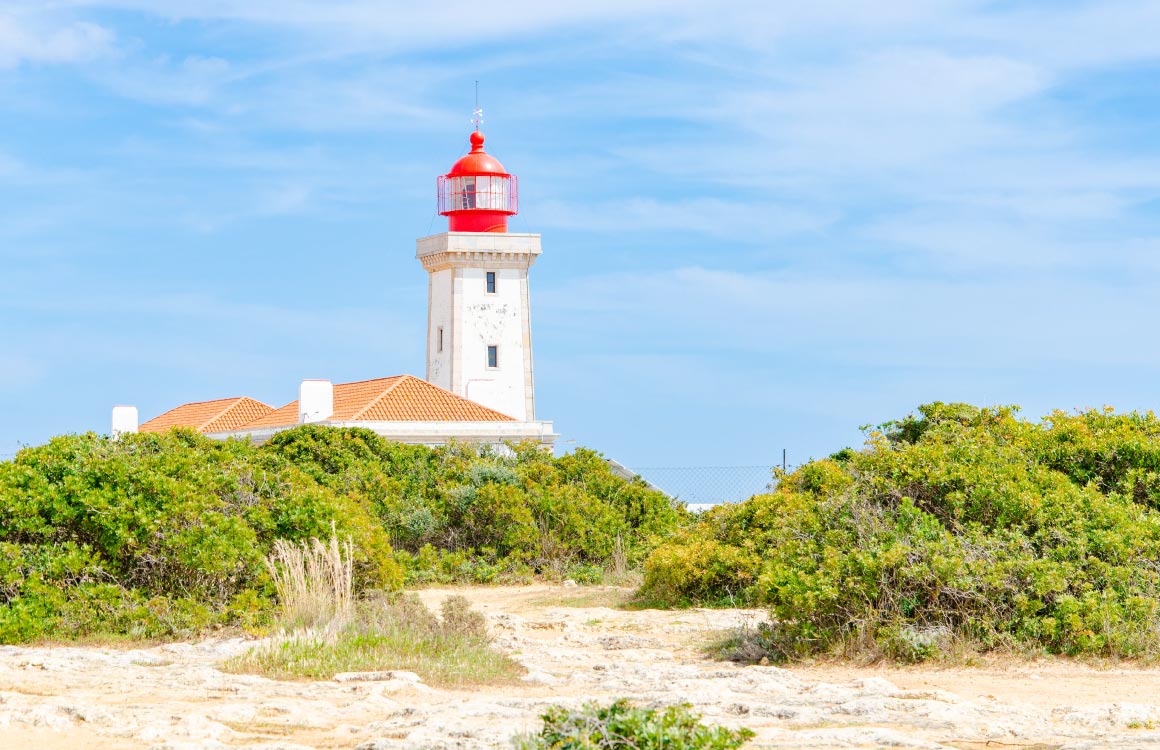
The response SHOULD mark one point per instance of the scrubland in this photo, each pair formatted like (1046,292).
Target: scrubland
(952,533)
(956,536)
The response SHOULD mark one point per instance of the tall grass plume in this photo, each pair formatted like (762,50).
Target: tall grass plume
(314,581)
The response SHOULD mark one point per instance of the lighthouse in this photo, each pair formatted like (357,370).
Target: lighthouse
(479,328)
(479,341)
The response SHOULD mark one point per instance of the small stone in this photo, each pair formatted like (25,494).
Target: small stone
(379,744)
(410,677)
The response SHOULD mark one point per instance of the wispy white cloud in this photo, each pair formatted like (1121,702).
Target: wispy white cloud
(191,81)
(878,201)
(1078,35)
(33,38)
(400,25)
(864,321)
(20,371)
(715,217)
(9,167)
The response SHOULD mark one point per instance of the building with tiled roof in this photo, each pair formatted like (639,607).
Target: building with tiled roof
(478,385)
(403,408)
(221,415)
(403,398)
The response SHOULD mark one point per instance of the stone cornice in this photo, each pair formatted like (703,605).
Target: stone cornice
(477,249)
(476,259)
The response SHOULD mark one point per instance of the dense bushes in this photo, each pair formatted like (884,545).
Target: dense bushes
(956,526)
(469,513)
(162,535)
(156,535)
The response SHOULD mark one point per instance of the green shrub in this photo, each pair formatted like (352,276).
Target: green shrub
(694,570)
(959,525)
(159,535)
(622,725)
(456,616)
(466,513)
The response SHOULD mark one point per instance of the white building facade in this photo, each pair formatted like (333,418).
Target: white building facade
(479,327)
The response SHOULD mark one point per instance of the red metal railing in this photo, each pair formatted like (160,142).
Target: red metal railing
(498,193)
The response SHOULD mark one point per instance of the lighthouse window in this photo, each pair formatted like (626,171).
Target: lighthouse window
(467,194)
(440,339)
(491,282)
(485,193)
(493,356)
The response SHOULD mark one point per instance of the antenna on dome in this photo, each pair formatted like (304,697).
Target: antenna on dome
(477,113)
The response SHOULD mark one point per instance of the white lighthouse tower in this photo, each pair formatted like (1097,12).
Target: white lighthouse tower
(479,328)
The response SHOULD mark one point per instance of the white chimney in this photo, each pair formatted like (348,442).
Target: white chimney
(124,420)
(315,401)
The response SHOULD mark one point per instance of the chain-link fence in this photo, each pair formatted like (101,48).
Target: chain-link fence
(708,485)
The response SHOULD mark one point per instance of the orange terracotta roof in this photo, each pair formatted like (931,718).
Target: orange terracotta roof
(403,398)
(220,415)
(410,399)
(287,416)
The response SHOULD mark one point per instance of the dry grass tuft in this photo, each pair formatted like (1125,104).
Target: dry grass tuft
(314,581)
(389,634)
(326,631)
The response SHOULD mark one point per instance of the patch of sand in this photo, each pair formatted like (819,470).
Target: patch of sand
(577,646)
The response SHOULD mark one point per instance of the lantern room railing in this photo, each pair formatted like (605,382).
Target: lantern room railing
(478,192)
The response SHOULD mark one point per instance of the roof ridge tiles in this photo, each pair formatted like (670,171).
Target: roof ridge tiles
(232,403)
(203,415)
(385,392)
(212,400)
(371,380)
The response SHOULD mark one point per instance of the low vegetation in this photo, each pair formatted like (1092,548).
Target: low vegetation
(400,634)
(469,514)
(164,536)
(314,581)
(158,536)
(622,725)
(956,528)
(323,630)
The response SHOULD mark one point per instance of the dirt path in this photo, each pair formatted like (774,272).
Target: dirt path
(576,648)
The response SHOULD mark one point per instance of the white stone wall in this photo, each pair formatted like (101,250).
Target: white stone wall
(473,319)
(498,320)
(428,433)
(439,316)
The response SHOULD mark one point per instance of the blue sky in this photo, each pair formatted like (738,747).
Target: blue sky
(764,225)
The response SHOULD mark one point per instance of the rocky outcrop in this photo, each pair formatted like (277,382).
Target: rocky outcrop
(175,697)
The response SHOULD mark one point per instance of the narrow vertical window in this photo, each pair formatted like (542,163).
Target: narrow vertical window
(493,356)
(440,344)
(491,282)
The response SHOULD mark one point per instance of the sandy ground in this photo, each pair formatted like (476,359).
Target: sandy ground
(576,648)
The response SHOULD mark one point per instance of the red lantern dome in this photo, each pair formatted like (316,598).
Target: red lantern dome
(477,195)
